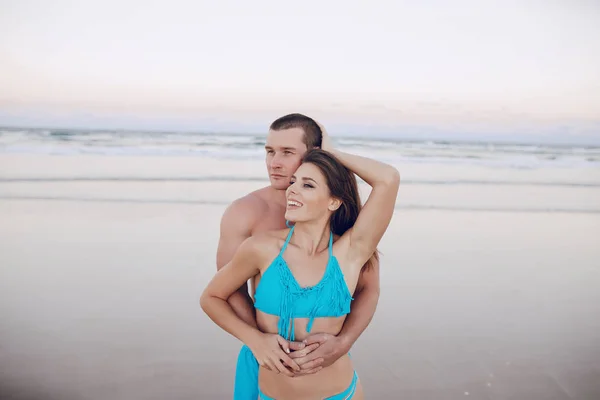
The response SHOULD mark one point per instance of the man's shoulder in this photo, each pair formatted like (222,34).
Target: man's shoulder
(251,205)
(246,212)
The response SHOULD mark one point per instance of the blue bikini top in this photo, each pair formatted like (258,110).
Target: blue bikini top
(278,293)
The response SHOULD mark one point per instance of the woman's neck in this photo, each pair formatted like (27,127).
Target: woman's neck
(312,237)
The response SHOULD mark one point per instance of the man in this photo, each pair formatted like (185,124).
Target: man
(288,140)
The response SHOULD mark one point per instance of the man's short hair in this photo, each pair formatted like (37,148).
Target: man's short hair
(312,131)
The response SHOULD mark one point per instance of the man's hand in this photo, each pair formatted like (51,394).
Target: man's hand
(301,346)
(329,349)
(297,350)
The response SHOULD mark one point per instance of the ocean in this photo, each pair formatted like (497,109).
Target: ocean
(247,146)
(488,172)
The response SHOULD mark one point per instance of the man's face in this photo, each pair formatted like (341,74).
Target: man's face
(285,149)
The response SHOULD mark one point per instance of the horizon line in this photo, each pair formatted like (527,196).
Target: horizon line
(488,138)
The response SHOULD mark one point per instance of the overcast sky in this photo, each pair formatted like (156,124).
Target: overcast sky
(480,64)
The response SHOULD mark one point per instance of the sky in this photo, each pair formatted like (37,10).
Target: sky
(530,67)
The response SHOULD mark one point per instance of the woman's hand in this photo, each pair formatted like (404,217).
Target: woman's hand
(270,350)
(326,143)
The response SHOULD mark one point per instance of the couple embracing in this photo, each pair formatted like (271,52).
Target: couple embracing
(309,250)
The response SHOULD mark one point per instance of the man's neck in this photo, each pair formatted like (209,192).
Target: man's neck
(277,197)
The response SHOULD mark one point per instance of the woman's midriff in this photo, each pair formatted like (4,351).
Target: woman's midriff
(327,382)
(332,325)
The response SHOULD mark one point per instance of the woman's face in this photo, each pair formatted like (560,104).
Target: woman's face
(308,196)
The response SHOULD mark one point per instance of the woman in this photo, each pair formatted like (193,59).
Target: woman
(308,272)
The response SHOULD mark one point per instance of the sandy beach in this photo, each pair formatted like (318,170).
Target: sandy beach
(486,293)
(127,128)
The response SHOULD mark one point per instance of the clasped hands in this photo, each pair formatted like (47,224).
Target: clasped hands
(317,351)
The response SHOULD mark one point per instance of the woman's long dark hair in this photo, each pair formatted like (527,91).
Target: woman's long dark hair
(343,186)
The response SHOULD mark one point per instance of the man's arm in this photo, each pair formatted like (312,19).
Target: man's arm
(363,307)
(331,348)
(236,226)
